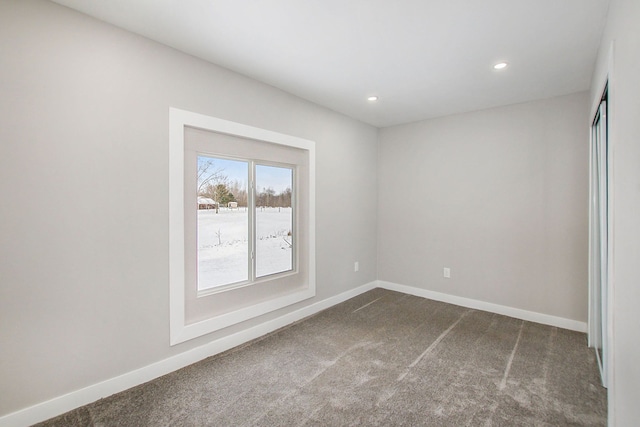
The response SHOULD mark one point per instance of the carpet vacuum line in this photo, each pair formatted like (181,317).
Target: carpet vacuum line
(503,383)
(432,346)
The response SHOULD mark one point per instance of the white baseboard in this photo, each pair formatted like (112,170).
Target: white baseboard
(517,313)
(75,399)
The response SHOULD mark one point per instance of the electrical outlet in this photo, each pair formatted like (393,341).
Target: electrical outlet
(446,272)
(356,266)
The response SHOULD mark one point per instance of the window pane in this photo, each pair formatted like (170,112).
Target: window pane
(274,220)
(223,223)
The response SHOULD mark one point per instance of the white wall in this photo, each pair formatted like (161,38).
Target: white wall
(84,110)
(499,196)
(624,137)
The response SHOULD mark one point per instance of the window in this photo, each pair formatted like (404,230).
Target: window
(242,233)
(224,247)
(245,221)
(274,220)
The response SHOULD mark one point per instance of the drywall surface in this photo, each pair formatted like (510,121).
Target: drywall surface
(84,137)
(624,138)
(497,196)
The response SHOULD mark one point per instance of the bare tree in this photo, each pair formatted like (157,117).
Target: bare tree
(269,198)
(210,180)
(239,190)
(209,174)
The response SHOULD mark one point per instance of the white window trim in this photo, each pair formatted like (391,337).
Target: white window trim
(179,330)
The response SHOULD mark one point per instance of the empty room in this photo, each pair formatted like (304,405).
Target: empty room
(319,213)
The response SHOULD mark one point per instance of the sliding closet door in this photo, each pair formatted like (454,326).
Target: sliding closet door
(599,237)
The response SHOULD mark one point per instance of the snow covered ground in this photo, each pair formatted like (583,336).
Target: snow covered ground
(223,245)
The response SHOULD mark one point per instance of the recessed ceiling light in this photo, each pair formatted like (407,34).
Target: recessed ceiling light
(500,65)
(372,98)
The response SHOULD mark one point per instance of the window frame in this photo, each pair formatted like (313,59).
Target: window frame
(180,330)
(252,257)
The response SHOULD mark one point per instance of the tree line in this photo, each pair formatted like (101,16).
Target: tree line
(214,184)
(223,193)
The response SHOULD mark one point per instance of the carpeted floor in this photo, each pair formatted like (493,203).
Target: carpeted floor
(380,359)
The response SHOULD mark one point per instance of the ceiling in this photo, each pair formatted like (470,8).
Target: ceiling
(422,58)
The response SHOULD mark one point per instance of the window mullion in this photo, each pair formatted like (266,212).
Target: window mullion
(252,221)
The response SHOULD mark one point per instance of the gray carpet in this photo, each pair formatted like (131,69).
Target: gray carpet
(382,358)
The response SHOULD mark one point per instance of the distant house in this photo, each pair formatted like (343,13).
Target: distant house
(206,203)
(232,205)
